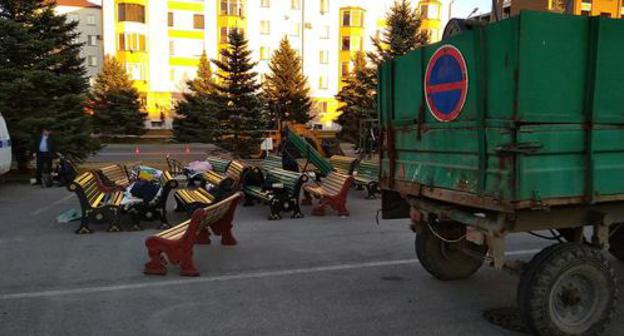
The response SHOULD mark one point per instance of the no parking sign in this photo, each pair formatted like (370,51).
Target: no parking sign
(446,83)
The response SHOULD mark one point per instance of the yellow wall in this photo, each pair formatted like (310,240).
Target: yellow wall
(597,7)
(332,110)
(432,23)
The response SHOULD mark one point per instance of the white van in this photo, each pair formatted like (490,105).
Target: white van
(5,147)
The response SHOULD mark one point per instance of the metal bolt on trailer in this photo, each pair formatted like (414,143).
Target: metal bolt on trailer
(513,127)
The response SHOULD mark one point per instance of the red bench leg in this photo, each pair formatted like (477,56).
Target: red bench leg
(319,210)
(223,227)
(187,267)
(307,199)
(155,265)
(203,237)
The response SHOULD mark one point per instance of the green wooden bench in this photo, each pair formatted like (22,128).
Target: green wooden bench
(175,245)
(367,176)
(278,188)
(219,165)
(97,205)
(272,161)
(343,164)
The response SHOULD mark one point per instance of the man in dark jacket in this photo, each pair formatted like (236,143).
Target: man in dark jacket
(44,150)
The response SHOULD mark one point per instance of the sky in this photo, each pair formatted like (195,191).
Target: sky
(462,8)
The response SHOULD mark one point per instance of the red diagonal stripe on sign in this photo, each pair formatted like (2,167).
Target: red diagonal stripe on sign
(446,87)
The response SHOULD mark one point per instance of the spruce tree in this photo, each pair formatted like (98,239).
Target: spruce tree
(402,34)
(42,79)
(241,108)
(286,88)
(115,103)
(196,114)
(357,99)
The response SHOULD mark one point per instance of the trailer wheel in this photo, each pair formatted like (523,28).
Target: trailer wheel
(447,260)
(616,242)
(568,289)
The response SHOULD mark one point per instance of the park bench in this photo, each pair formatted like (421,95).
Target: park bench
(278,188)
(156,208)
(237,171)
(219,165)
(332,191)
(343,164)
(175,167)
(272,161)
(367,176)
(191,198)
(221,185)
(175,245)
(97,205)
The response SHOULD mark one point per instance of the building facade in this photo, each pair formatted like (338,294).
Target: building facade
(89,18)
(608,8)
(160,41)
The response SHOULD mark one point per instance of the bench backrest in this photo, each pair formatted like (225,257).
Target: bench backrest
(175,167)
(236,170)
(272,161)
(218,164)
(368,169)
(292,181)
(343,164)
(336,183)
(116,174)
(86,187)
(221,184)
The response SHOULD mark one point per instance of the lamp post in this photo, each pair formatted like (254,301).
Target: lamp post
(450,10)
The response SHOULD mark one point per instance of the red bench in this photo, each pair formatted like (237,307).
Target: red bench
(176,244)
(332,191)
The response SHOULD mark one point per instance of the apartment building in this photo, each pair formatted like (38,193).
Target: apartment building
(89,18)
(160,41)
(607,8)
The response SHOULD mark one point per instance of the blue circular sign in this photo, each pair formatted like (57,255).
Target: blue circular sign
(446,83)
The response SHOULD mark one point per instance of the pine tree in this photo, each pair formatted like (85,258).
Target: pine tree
(402,34)
(286,87)
(115,103)
(42,79)
(241,108)
(196,114)
(357,98)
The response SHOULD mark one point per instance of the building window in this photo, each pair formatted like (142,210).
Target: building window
(346,18)
(322,107)
(170,21)
(92,40)
(587,1)
(295,4)
(172,74)
(91,20)
(296,29)
(135,71)
(324,6)
(131,12)
(323,82)
(344,69)
(357,44)
(265,53)
(325,32)
(232,8)
(265,27)
(585,13)
(603,14)
(265,3)
(92,61)
(73,17)
(357,18)
(346,43)
(198,21)
(171,48)
(324,57)
(131,42)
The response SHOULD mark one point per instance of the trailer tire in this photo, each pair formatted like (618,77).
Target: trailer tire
(444,260)
(616,242)
(568,289)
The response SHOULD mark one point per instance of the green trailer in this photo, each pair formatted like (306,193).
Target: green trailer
(513,127)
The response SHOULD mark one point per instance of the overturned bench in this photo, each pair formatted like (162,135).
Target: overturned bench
(278,188)
(175,245)
(331,191)
(97,205)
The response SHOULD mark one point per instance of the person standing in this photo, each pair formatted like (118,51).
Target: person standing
(44,152)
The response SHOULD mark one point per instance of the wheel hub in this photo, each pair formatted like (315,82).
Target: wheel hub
(574,299)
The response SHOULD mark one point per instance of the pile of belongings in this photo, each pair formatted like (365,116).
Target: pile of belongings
(146,187)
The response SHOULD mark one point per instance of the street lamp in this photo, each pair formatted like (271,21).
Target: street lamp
(472,13)
(450,12)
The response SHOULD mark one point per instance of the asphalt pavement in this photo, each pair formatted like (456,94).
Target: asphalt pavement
(310,276)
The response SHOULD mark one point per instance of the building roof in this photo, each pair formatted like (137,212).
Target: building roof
(77,3)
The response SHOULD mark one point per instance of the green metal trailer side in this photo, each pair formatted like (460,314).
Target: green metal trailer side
(516,126)
(543,121)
